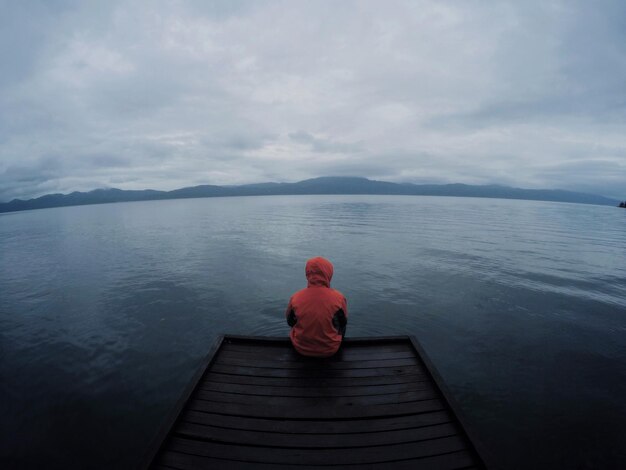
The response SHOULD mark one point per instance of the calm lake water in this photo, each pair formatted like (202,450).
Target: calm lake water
(106,312)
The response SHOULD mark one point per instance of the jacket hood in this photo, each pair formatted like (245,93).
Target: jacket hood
(319,272)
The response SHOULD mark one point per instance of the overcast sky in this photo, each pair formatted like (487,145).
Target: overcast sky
(166,94)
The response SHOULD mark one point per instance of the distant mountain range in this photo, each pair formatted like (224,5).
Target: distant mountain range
(324,185)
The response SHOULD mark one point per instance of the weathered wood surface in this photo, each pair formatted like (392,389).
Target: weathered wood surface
(257,404)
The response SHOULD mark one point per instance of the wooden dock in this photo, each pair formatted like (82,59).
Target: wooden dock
(255,403)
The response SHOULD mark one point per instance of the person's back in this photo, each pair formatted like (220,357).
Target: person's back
(317,314)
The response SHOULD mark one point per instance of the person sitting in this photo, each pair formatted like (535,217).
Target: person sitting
(317,314)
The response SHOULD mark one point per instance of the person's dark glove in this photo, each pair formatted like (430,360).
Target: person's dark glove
(291,318)
(340,321)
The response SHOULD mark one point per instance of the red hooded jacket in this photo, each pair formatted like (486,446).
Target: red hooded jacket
(317,314)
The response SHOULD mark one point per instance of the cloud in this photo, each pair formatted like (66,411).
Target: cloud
(320,145)
(166,94)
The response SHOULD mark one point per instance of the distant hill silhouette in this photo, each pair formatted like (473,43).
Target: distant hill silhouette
(324,185)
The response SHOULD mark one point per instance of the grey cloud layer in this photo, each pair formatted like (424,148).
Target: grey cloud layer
(169,94)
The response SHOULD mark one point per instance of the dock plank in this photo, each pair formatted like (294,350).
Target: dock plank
(319,402)
(289,355)
(315,365)
(359,349)
(314,391)
(317,381)
(288,456)
(317,373)
(327,441)
(453,460)
(319,426)
(313,412)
